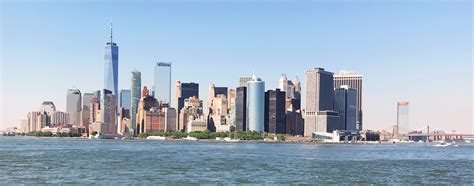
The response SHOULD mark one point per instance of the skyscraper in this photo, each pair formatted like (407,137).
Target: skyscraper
(402,117)
(345,99)
(162,88)
(73,106)
(85,113)
(354,81)
(275,118)
(185,91)
(319,97)
(256,104)
(111,66)
(243,81)
(109,116)
(241,109)
(286,86)
(125,99)
(135,94)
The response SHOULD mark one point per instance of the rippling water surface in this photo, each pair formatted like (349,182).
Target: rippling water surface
(80,161)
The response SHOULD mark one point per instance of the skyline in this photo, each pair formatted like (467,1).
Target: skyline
(377,109)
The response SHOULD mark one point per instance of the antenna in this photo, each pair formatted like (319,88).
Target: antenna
(111,32)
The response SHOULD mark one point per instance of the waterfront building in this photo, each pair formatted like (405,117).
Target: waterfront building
(24,125)
(244,80)
(319,97)
(37,120)
(345,103)
(135,99)
(256,104)
(240,121)
(218,113)
(185,91)
(111,57)
(196,124)
(148,114)
(354,81)
(192,109)
(162,87)
(171,117)
(73,106)
(59,118)
(327,121)
(275,118)
(294,122)
(109,116)
(402,117)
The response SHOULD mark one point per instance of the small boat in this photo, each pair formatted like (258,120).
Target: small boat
(219,139)
(227,139)
(156,138)
(189,138)
(446,144)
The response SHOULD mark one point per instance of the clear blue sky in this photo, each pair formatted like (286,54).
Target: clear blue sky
(420,51)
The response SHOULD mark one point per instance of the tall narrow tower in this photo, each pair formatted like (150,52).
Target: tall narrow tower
(111,66)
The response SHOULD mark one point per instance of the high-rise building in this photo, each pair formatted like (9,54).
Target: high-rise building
(218,114)
(214,92)
(240,121)
(192,110)
(230,98)
(171,117)
(48,106)
(135,99)
(354,81)
(111,56)
(319,97)
(85,112)
(286,86)
(162,87)
(243,81)
(297,84)
(109,116)
(73,106)
(185,91)
(345,103)
(125,99)
(402,117)
(59,118)
(256,104)
(327,121)
(275,118)
(294,122)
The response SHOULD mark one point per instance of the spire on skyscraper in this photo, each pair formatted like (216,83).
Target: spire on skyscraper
(111,29)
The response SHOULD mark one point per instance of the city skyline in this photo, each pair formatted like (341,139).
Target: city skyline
(183,67)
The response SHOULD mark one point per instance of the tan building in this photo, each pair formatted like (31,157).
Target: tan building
(192,109)
(196,124)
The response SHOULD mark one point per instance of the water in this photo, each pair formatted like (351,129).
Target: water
(79,161)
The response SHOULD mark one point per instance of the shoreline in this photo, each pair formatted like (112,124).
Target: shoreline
(221,141)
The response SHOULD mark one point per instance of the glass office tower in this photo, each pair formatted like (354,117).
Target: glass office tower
(162,89)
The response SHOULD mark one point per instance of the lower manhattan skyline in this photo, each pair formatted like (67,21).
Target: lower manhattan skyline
(421,56)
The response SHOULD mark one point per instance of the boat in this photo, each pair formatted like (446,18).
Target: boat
(446,144)
(227,139)
(219,139)
(156,138)
(189,138)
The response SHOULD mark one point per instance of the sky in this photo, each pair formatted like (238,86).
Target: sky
(416,51)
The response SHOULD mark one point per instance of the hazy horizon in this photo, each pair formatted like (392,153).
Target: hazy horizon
(419,52)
